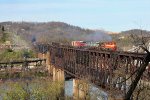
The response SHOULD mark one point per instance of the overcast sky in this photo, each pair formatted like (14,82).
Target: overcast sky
(110,15)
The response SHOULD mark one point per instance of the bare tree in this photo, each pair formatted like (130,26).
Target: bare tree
(141,69)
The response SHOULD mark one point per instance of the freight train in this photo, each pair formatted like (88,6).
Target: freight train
(111,45)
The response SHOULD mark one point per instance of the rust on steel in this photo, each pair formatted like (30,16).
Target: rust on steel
(108,69)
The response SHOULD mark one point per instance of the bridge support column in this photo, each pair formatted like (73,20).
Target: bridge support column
(75,89)
(40,55)
(80,90)
(48,62)
(45,57)
(61,75)
(58,74)
(50,69)
(54,74)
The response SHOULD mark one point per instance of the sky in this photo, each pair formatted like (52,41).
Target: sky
(109,15)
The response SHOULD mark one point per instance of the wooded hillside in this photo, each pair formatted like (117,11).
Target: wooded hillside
(53,31)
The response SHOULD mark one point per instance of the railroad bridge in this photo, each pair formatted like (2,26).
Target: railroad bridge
(111,71)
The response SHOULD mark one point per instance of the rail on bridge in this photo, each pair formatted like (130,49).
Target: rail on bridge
(112,71)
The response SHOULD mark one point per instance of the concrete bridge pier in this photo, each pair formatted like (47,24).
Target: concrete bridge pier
(58,74)
(47,57)
(42,56)
(50,69)
(80,90)
(48,64)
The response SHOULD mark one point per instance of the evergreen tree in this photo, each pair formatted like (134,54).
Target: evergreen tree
(3,29)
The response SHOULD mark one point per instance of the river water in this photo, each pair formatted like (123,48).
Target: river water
(95,93)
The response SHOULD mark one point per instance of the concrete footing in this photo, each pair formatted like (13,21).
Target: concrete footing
(80,90)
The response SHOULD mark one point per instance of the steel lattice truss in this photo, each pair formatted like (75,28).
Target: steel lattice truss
(113,71)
